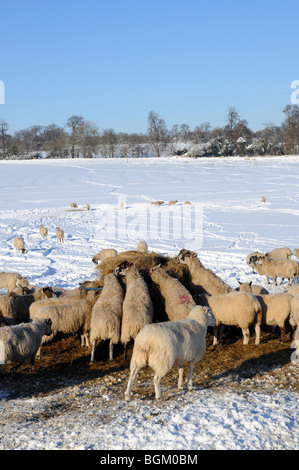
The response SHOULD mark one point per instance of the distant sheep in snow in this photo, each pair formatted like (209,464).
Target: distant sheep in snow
(164,345)
(277,267)
(10,281)
(59,234)
(157,203)
(19,244)
(43,231)
(106,315)
(279,253)
(74,205)
(21,342)
(142,247)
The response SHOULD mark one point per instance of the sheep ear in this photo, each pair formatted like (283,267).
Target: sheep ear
(205,310)
(240,283)
(250,283)
(193,254)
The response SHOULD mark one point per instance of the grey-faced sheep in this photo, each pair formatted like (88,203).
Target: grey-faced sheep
(106,315)
(137,306)
(72,317)
(240,309)
(203,280)
(43,231)
(278,267)
(19,244)
(284,252)
(10,281)
(21,342)
(251,258)
(253,288)
(15,308)
(276,310)
(59,234)
(164,345)
(178,299)
(104,254)
(142,247)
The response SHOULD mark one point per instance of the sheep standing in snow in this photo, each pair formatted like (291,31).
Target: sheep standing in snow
(19,244)
(104,254)
(59,234)
(178,299)
(137,306)
(106,315)
(174,343)
(87,207)
(74,205)
(240,309)
(253,288)
(276,310)
(279,253)
(277,267)
(203,280)
(142,247)
(71,317)
(43,231)
(21,342)
(251,258)
(10,281)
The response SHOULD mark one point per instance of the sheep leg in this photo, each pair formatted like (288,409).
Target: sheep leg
(221,329)
(110,351)
(157,385)
(125,352)
(181,373)
(257,333)
(190,372)
(94,344)
(246,335)
(133,374)
(215,334)
(282,333)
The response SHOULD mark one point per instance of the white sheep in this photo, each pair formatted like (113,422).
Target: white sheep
(74,205)
(142,246)
(277,267)
(276,310)
(87,207)
(164,345)
(253,288)
(10,281)
(203,280)
(19,244)
(171,203)
(157,203)
(59,234)
(72,317)
(43,231)
(240,309)
(137,306)
(284,252)
(178,299)
(295,321)
(15,308)
(104,254)
(293,290)
(106,315)
(21,342)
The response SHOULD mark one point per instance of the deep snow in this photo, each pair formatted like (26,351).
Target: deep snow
(225,222)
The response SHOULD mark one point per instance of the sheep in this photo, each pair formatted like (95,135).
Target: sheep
(21,342)
(59,234)
(203,280)
(241,309)
(295,321)
(15,308)
(19,244)
(10,281)
(137,306)
(178,299)
(106,315)
(263,199)
(43,231)
(171,203)
(71,317)
(172,343)
(104,254)
(293,290)
(295,252)
(87,207)
(73,204)
(251,258)
(279,253)
(157,203)
(278,267)
(187,203)
(253,288)
(276,310)
(142,247)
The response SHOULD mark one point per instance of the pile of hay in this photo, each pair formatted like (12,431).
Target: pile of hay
(145,261)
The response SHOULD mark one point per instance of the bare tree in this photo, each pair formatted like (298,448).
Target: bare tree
(157,132)
(73,123)
(3,132)
(290,129)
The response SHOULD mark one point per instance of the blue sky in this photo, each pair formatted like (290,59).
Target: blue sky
(114,61)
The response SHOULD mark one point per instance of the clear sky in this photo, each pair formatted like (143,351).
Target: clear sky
(114,61)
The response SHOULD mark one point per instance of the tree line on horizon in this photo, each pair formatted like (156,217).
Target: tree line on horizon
(82,138)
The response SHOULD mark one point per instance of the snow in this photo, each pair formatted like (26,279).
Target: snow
(225,222)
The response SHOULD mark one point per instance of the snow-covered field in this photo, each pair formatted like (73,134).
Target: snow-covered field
(225,222)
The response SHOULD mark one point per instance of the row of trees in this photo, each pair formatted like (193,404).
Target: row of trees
(81,138)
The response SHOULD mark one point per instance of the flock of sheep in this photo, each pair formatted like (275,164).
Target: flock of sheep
(122,310)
